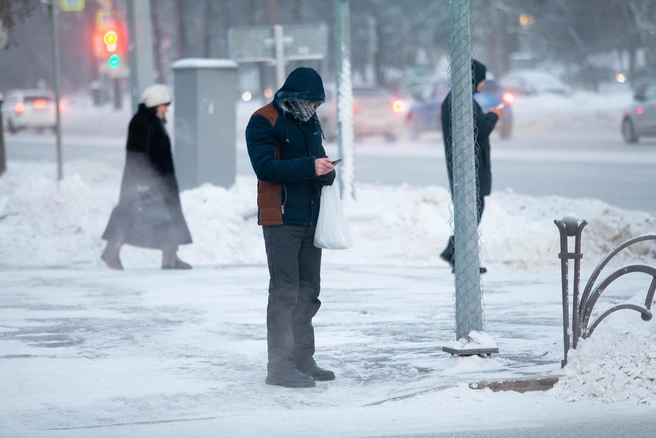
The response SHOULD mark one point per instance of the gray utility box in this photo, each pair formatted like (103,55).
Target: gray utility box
(205,122)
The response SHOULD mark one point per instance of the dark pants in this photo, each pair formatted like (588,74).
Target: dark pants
(450,250)
(295,271)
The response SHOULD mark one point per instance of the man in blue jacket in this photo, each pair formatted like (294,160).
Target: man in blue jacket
(284,140)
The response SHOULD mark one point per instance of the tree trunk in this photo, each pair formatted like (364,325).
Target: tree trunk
(183,36)
(157,44)
(208,20)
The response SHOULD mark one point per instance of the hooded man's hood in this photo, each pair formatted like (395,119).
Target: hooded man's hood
(478,73)
(303,84)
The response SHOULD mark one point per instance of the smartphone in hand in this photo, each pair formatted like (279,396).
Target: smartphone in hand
(501,106)
(336,162)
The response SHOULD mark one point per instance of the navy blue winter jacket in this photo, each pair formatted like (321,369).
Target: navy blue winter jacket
(283,149)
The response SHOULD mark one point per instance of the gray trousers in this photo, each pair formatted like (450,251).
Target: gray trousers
(295,277)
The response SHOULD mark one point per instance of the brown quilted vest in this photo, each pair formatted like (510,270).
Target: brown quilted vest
(269,200)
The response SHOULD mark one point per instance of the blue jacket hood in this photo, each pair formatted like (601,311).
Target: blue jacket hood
(303,84)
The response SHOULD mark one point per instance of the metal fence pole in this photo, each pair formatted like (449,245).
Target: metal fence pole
(53,9)
(469,309)
(3,160)
(279,39)
(345,135)
(141,49)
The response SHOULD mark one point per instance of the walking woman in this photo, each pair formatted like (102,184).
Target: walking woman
(149,214)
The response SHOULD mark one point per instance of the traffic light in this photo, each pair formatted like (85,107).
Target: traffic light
(111,41)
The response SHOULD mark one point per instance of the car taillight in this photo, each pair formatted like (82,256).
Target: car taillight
(640,110)
(507,98)
(39,103)
(355,108)
(19,108)
(398,106)
(61,106)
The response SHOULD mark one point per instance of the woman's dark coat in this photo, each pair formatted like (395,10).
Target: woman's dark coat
(148,163)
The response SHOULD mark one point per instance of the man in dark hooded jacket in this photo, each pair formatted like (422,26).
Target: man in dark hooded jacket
(484,125)
(284,140)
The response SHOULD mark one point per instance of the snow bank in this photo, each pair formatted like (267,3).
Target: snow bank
(617,363)
(45,223)
(581,112)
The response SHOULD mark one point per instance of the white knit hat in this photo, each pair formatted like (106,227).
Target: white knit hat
(156,95)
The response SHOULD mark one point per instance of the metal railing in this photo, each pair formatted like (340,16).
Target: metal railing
(582,306)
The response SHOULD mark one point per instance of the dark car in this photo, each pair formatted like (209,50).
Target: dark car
(425,114)
(639,120)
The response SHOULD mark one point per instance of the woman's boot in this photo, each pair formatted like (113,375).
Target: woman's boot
(110,255)
(170,260)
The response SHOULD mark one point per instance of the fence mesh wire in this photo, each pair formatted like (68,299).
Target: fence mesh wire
(469,307)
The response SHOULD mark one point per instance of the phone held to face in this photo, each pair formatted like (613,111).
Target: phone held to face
(334,163)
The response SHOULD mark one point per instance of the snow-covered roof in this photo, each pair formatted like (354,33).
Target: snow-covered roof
(204,63)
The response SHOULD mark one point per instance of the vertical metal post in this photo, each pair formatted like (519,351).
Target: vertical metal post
(345,132)
(141,49)
(372,51)
(564,272)
(469,309)
(279,39)
(53,9)
(3,160)
(118,93)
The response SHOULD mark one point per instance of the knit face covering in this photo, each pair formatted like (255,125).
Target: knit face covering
(300,111)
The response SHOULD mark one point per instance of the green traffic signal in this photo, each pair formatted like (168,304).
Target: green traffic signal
(114,61)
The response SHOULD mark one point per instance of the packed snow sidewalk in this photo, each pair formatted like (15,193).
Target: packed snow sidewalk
(145,352)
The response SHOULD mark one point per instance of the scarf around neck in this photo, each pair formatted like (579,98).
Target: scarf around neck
(299,111)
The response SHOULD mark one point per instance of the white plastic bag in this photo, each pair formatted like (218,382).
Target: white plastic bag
(332,229)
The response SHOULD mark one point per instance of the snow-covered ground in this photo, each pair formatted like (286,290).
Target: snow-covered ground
(183,354)
(144,346)
(582,113)
(52,224)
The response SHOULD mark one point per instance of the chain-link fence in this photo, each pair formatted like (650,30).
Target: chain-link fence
(465,191)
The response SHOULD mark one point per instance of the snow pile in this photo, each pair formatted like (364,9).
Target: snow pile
(474,341)
(616,363)
(583,112)
(45,223)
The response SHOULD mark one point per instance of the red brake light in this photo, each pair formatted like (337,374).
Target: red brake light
(19,107)
(39,103)
(398,106)
(640,110)
(508,98)
(355,108)
(61,105)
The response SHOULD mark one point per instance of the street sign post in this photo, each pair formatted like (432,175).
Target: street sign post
(142,62)
(278,44)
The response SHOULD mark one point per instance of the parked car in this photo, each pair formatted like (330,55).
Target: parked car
(376,111)
(29,109)
(530,82)
(639,120)
(425,114)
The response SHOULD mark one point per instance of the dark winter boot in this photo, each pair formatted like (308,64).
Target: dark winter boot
(448,255)
(110,255)
(290,379)
(317,373)
(170,260)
